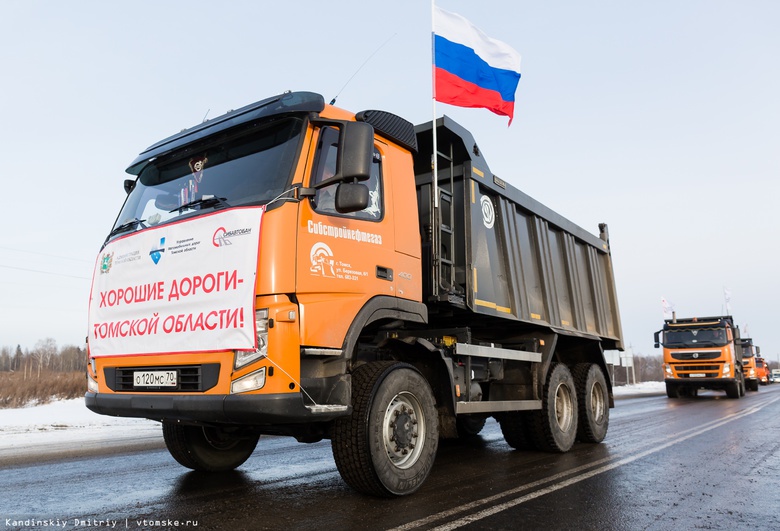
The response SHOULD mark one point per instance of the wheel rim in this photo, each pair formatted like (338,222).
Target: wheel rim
(564,409)
(218,439)
(403,430)
(597,403)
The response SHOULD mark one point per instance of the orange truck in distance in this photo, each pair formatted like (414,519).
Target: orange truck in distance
(702,353)
(762,371)
(292,268)
(750,364)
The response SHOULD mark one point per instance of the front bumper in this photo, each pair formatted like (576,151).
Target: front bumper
(243,409)
(706,383)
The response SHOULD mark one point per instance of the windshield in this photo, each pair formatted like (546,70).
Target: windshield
(695,337)
(253,168)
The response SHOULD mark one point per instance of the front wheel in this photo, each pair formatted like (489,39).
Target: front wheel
(387,446)
(208,449)
(732,390)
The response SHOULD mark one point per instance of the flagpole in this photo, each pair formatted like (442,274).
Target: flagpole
(435,225)
(435,176)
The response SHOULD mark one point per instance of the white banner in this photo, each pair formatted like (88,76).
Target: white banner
(183,287)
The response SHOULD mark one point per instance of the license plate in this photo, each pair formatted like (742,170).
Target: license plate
(697,375)
(155,379)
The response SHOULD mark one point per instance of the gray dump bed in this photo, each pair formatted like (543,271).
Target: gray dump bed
(501,262)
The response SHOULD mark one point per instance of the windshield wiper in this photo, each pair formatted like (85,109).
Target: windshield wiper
(124,227)
(202,203)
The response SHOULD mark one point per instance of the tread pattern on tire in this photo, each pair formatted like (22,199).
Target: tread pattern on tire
(514,427)
(540,430)
(585,432)
(350,434)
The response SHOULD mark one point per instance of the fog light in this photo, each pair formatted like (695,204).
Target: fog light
(250,382)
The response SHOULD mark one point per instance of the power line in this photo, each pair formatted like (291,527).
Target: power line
(45,254)
(44,272)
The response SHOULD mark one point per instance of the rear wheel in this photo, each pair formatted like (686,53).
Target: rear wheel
(387,446)
(208,449)
(469,425)
(593,399)
(554,428)
(514,426)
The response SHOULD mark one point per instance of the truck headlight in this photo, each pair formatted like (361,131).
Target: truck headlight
(245,357)
(668,370)
(250,382)
(92,385)
(726,369)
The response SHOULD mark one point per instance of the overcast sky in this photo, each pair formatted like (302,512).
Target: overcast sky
(659,118)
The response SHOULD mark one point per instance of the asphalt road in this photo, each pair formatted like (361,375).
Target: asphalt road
(700,463)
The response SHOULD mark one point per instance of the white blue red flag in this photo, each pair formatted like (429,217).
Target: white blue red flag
(472,69)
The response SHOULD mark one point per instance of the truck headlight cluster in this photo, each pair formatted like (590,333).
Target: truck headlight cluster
(92,385)
(668,370)
(245,357)
(726,369)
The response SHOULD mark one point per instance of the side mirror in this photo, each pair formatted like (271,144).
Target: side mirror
(357,151)
(351,197)
(129,185)
(655,337)
(758,350)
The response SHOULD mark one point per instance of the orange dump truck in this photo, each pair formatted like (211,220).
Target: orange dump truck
(702,353)
(762,370)
(750,364)
(291,268)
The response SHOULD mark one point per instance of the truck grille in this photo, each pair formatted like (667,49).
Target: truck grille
(687,356)
(191,378)
(705,371)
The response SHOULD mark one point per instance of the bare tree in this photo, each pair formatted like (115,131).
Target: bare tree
(44,351)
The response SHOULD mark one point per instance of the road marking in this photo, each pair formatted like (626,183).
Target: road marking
(693,432)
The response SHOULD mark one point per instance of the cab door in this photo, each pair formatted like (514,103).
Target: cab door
(344,259)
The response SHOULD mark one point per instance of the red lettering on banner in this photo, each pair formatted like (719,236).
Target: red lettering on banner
(224,281)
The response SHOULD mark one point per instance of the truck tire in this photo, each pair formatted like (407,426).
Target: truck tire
(207,449)
(593,399)
(514,426)
(672,390)
(387,446)
(469,425)
(732,389)
(554,427)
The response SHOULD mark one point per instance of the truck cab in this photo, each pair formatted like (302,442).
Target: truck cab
(701,353)
(750,359)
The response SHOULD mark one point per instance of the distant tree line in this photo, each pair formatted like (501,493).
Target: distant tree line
(44,356)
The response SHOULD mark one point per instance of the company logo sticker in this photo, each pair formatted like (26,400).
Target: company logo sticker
(106,262)
(322,260)
(488,214)
(222,236)
(157,251)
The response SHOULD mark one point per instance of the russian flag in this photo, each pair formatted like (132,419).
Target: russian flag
(470,68)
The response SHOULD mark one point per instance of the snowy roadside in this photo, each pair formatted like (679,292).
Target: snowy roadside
(68,427)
